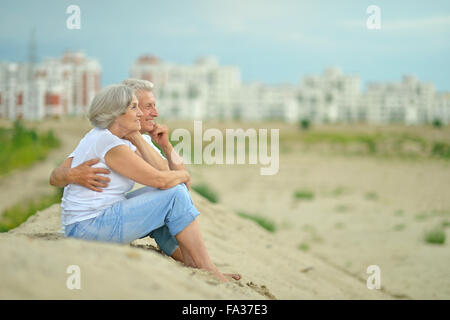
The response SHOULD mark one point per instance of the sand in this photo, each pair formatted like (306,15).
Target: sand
(35,258)
(365,211)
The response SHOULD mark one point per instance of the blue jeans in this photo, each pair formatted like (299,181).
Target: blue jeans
(160,214)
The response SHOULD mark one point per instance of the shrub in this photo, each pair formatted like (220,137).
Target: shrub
(304,124)
(304,194)
(437,123)
(435,236)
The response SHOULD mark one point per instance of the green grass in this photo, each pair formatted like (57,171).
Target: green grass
(265,223)
(308,228)
(304,194)
(303,246)
(371,196)
(21,147)
(342,208)
(421,216)
(339,225)
(384,144)
(338,191)
(435,236)
(206,191)
(369,141)
(13,216)
(399,227)
(441,150)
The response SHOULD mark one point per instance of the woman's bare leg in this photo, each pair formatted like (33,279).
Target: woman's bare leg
(178,255)
(191,240)
(183,255)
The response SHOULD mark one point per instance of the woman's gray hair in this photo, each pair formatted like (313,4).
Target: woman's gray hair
(108,104)
(138,85)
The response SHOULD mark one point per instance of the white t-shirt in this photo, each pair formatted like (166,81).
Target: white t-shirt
(80,203)
(150,142)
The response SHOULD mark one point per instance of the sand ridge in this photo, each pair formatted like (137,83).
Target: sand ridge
(35,258)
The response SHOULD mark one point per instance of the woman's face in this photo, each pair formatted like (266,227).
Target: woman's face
(130,120)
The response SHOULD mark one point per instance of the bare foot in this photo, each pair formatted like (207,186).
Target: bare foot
(235,276)
(220,276)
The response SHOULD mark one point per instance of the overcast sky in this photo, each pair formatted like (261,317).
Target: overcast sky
(270,41)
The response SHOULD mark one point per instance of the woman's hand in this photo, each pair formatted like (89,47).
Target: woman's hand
(133,137)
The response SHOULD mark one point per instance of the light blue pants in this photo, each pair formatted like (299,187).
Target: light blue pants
(160,214)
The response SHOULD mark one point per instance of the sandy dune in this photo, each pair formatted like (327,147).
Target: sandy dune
(35,258)
(365,211)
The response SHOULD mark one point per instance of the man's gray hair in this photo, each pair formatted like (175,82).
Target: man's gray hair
(108,104)
(138,84)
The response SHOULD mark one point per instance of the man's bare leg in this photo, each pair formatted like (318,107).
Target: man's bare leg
(190,239)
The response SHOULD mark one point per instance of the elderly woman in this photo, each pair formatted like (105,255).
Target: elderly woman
(163,210)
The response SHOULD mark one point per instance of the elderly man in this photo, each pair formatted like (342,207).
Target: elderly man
(94,179)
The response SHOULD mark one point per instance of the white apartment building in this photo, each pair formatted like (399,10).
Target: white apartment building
(409,102)
(55,87)
(441,108)
(335,97)
(203,90)
(329,97)
(206,90)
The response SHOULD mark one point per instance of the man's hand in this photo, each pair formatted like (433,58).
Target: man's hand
(160,135)
(188,183)
(89,177)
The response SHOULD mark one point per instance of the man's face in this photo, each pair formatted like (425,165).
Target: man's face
(148,108)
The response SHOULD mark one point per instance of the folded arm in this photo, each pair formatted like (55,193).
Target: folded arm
(124,161)
(146,152)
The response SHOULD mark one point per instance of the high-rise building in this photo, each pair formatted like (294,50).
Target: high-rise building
(329,97)
(203,90)
(206,90)
(408,101)
(57,86)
